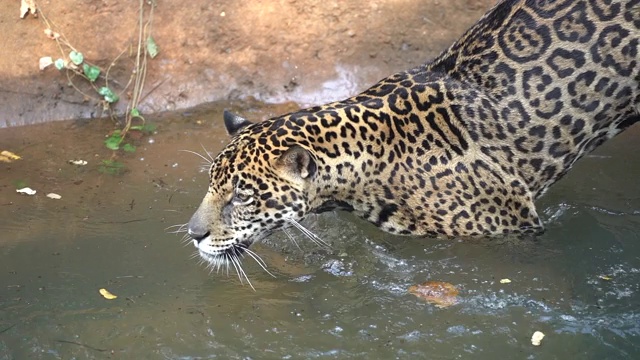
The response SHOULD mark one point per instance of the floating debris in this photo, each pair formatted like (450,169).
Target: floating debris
(78,162)
(26,191)
(505,281)
(8,156)
(107,295)
(54,196)
(537,337)
(439,293)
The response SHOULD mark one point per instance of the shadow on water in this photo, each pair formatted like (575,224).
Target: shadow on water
(577,283)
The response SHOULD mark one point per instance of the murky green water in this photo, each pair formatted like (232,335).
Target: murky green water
(351,302)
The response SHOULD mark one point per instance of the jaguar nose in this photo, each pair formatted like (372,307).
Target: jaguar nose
(197,229)
(198,235)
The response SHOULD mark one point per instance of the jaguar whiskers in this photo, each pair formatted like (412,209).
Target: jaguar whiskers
(232,256)
(208,160)
(308,233)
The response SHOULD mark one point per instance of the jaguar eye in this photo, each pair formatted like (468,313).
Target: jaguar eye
(242,198)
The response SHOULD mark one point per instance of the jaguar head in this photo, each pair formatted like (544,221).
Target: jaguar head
(259,183)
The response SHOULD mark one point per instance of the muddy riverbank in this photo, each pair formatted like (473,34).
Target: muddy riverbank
(305,51)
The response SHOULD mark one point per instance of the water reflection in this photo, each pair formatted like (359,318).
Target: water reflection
(577,283)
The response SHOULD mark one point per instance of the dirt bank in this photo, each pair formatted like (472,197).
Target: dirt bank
(289,50)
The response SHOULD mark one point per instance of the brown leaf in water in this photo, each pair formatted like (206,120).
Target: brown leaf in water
(439,293)
(8,156)
(106,294)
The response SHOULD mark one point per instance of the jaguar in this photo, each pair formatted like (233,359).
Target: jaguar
(461,146)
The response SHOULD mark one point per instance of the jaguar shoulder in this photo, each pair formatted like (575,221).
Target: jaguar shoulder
(460,146)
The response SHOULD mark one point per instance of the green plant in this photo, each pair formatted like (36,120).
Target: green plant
(115,140)
(74,64)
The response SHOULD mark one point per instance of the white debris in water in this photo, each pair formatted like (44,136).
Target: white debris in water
(54,196)
(151,141)
(26,191)
(78,162)
(537,337)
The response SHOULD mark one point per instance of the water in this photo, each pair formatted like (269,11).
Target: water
(110,231)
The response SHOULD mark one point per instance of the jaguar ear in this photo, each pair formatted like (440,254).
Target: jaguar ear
(297,162)
(234,123)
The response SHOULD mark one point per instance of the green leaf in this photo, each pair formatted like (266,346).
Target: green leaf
(152,47)
(135,112)
(129,148)
(59,64)
(147,128)
(109,96)
(113,141)
(76,57)
(92,72)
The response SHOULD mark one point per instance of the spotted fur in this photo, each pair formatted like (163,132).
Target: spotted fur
(461,146)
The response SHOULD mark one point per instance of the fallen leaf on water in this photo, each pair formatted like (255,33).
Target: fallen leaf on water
(8,156)
(537,338)
(605,277)
(26,191)
(439,293)
(78,162)
(25,6)
(505,281)
(106,294)
(54,196)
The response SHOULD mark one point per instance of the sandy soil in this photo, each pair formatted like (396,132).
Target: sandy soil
(287,50)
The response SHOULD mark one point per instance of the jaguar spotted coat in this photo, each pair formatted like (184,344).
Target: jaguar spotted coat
(461,146)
